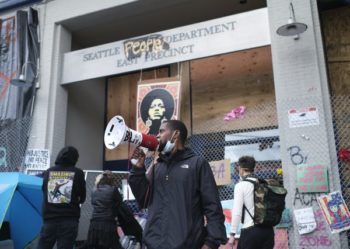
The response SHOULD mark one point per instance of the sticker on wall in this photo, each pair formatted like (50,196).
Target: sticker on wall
(305,219)
(312,178)
(301,117)
(335,211)
(156,102)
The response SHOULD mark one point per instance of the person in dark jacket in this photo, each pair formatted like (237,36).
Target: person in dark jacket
(105,200)
(64,191)
(179,191)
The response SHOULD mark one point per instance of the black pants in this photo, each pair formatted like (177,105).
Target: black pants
(64,232)
(257,238)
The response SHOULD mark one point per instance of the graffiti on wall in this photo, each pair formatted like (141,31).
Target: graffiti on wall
(320,237)
(297,156)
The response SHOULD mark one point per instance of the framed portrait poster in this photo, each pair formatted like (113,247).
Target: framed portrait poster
(156,102)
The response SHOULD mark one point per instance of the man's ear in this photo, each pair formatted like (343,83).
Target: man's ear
(176,135)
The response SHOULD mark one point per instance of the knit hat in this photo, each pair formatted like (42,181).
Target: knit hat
(67,156)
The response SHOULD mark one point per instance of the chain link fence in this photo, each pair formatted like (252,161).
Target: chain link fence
(262,142)
(14,135)
(255,133)
(341,124)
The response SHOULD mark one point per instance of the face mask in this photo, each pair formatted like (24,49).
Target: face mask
(168,147)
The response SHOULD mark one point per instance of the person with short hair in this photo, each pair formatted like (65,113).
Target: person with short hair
(252,236)
(64,190)
(179,191)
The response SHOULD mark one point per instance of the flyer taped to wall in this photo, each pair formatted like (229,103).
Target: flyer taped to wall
(335,211)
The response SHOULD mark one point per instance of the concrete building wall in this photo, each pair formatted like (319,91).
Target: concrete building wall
(301,82)
(48,128)
(85,122)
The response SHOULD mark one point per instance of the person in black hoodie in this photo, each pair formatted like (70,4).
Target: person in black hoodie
(64,190)
(179,191)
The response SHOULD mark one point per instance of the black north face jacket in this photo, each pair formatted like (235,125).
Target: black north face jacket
(181,193)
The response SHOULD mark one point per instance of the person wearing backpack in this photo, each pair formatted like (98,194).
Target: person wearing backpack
(252,236)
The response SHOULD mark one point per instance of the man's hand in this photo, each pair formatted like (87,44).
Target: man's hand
(231,241)
(205,247)
(138,158)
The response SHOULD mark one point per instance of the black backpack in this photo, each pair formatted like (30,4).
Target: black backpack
(269,202)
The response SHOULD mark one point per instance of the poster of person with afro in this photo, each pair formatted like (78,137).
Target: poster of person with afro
(156,102)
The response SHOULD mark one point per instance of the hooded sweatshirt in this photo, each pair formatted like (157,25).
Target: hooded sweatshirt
(181,193)
(63,187)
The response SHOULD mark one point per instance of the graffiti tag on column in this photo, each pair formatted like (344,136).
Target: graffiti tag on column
(305,199)
(296,155)
(319,237)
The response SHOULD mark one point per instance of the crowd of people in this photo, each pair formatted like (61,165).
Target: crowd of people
(178,189)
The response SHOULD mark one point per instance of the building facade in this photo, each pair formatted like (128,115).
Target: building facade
(294,90)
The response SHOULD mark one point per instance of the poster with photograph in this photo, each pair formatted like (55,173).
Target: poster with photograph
(156,102)
(335,211)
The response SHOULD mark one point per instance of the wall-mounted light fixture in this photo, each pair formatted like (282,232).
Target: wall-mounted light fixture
(292,28)
(22,79)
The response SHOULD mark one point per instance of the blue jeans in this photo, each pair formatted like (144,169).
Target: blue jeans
(64,232)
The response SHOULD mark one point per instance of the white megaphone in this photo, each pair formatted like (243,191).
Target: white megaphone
(118,133)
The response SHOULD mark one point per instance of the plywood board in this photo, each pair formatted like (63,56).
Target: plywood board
(336,29)
(224,82)
(121,100)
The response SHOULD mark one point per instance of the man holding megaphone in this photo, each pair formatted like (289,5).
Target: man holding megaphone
(179,191)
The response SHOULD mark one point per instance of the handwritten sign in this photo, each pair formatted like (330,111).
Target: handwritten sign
(312,178)
(37,159)
(222,171)
(305,220)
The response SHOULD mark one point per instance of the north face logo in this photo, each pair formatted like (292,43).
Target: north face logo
(185,166)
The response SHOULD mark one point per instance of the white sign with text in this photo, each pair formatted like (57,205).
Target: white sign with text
(301,117)
(305,219)
(223,35)
(37,159)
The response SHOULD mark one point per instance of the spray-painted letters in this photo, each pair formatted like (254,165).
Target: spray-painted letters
(296,155)
(305,199)
(318,238)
